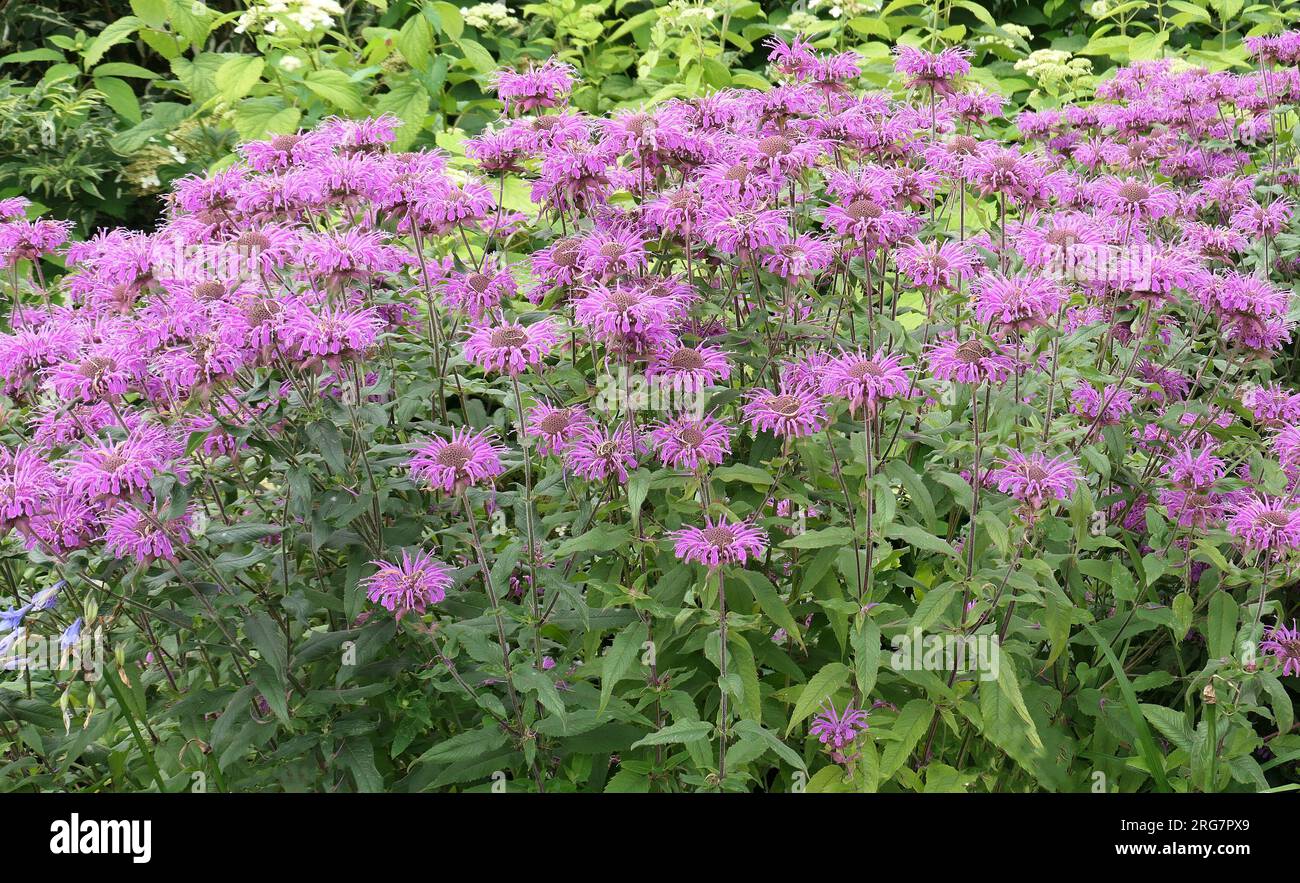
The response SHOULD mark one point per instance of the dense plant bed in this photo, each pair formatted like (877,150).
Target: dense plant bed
(805,438)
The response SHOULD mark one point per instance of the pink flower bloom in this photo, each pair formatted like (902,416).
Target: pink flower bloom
(1134,199)
(467,459)
(1036,480)
(26,482)
(734,230)
(611,252)
(865,379)
(131,534)
(1016,303)
(479,291)
(1284,644)
(793,411)
(413,584)
(689,367)
(1193,469)
(596,453)
(803,258)
(686,443)
(935,264)
(1266,524)
(510,347)
(556,427)
(932,70)
(537,86)
(968,361)
(719,542)
(331,333)
(1087,402)
(838,730)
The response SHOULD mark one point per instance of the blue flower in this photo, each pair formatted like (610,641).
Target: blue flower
(47,598)
(11,619)
(71,635)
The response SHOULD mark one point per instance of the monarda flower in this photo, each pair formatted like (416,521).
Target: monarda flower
(792,412)
(480,291)
(509,347)
(66,522)
(1016,303)
(1133,199)
(146,538)
(937,71)
(26,482)
(617,251)
(718,543)
(1267,525)
(936,265)
(467,459)
(413,584)
(838,729)
(556,427)
(1193,467)
(1036,480)
(1284,644)
(803,258)
(733,230)
(598,453)
(864,379)
(537,86)
(968,361)
(331,334)
(689,367)
(1105,408)
(687,443)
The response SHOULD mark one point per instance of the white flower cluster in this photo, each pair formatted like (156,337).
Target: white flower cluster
(848,8)
(1051,66)
(308,15)
(489,17)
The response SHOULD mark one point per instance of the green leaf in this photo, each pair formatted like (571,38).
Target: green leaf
(117,32)
(679,733)
(1221,628)
(337,89)
(820,539)
(449,18)
(741,472)
(1010,687)
(919,538)
(832,676)
(119,95)
(269,641)
(770,601)
(358,757)
(910,725)
(1154,759)
(749,729)
(237,76)
(599,539)
(618,661)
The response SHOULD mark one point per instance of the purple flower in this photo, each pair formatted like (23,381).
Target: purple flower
(537,86)
(1036,480)
(792,411)
(556,427)
(598,453)
(968,361)
(686,443)
(838,729)
(413,584)
(1266,524)
(510,347)
(467,459)
(1284,644)
(718,543)
(865,379)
